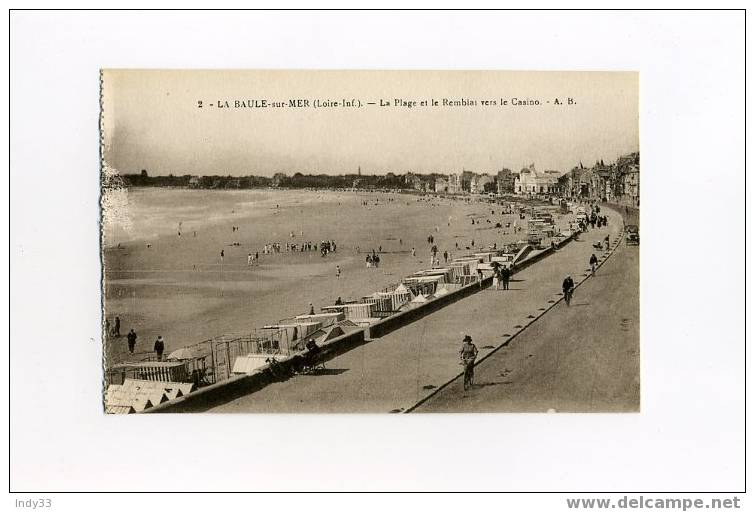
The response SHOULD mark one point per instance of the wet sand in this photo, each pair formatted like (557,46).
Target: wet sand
(178,287)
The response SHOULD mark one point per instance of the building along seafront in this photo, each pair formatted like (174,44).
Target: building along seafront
(532,182)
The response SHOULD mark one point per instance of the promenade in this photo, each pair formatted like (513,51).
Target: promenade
(579,358)
(392,373)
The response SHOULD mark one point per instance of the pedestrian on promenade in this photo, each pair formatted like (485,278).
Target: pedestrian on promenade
(222,255)
(445,256)
(159,347)
(131,337)
(593,263)
(568,288)
(505,276)
(249,259)
(117,327)
(338,272)
(414,252)
(311,309)
(496,278)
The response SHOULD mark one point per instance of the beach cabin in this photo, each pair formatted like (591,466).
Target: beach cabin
(325,319)
(154,388)
(165,371)
(284,335)
(250,363)
(399,296)
(383,305)
(504,260)
(469,264)
(359,313)
(484,257)
(417,301)
(447,273)
(320,336)
(486,269)
(460,269)
(422,285)
(122,398)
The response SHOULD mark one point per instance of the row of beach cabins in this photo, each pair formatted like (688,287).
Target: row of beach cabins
(134,387)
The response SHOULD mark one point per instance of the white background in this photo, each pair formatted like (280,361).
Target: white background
(690,433)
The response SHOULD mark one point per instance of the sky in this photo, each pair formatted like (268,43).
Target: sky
(151,120)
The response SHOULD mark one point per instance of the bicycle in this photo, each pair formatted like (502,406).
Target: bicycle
(468,373)
(568,295)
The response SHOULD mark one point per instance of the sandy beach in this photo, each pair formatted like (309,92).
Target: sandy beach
(160,283)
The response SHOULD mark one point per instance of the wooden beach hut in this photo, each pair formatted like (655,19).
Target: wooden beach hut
(354,312)
(325,319)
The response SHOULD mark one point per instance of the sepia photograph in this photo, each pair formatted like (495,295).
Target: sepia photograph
(261,255)
(370,241)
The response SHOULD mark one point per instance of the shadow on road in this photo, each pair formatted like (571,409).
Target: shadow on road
(487,384)
(326,371)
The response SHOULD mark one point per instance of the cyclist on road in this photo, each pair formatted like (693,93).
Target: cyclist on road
(468,354)
(568,287)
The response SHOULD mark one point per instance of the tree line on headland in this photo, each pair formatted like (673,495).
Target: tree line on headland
(297,180)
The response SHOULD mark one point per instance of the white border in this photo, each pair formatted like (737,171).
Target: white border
(689,435)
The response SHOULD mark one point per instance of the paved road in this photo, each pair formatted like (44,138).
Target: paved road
(392,373)
(578,358)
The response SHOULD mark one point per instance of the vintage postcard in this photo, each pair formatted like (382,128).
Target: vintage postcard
(370,241)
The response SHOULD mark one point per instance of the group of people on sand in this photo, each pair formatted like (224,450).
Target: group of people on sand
(115,332)
(325,247)
(372,260)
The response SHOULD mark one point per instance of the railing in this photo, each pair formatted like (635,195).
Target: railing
(212,359)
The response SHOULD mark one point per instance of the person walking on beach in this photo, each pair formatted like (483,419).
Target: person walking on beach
(131,337)
(311,309)
(568,288)
(414,252)
(117,327)
(222,255)
(159,347)
(593,263)
(338,272)
(249,259)
(445,256)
